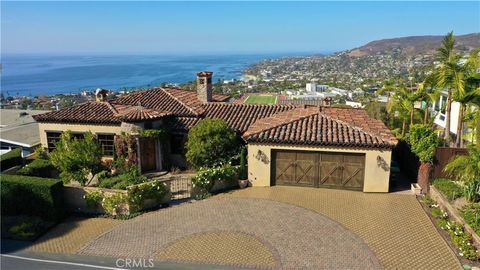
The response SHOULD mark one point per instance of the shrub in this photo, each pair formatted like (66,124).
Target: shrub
(38,167)
(206,178)
(11,159)
(33,196)
(210,143)
(423,142)
(448,188)
(139,193)
(471,215)
(467,170)
(76,158)
(112,204)
(93,199)
(131,177)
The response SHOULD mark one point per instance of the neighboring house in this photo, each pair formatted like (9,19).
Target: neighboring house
(287,144)
(18,129)
(439,108)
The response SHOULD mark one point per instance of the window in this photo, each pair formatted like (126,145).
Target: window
(177,144)
(52,138)
(107,143)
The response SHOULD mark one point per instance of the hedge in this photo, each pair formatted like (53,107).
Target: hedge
(11,159)
(38,167)
(32,196)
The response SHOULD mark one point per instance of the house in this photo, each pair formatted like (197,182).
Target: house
(287,145)
(18,130)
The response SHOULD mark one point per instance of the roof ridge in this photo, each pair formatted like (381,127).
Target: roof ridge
(110,106)
(181,102)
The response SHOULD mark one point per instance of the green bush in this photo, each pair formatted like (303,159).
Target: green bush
(32,196)
(76,158)
(448,188)
(210,143)
(471,215)
(206,178)
(131,177)
(11,159)
(423,142)
(38,167)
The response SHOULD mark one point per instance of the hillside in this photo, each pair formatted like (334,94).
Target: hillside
(414,45)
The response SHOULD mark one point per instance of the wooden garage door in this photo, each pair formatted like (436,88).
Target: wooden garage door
(319,169)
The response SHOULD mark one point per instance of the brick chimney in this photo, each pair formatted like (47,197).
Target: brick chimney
(101,95)
(204,86)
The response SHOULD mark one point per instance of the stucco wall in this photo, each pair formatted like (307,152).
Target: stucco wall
(43,127)
(376,176)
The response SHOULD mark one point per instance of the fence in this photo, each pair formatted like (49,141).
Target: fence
(442,156)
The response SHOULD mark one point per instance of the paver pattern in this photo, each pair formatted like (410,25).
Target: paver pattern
(394,226)
(232,248)
(69,236)
(298,237)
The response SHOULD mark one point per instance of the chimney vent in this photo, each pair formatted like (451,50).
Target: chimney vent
(204,86)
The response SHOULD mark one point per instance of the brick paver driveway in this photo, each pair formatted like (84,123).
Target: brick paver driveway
(295,236)
(394,226)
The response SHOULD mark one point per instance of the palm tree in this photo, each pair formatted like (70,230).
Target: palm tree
(402,102)
(468,90)
(466,169)
(448,75)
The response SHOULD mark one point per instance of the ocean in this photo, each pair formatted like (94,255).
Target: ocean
(33,75)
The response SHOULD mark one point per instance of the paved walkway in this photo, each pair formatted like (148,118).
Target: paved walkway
(394,226)
(295,236)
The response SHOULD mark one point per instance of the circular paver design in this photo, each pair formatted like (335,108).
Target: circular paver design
(299,237)
(232,248)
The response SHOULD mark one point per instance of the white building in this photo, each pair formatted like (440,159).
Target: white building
(439,107)
(311,87)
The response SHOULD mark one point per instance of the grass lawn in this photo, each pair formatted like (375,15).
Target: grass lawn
(264,99)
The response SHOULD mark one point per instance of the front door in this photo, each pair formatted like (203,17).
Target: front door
(147,154)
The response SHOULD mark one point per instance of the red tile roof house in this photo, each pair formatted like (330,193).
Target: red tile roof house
(287,145)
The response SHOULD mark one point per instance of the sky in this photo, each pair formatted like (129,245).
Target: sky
(222,27)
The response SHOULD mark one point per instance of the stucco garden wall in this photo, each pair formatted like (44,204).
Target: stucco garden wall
(377,164)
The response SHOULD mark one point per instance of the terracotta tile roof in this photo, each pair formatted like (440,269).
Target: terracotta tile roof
(311,126)
(156,102)
(89,112)
(182,124)
(176,101)
(241,116)
(128,113)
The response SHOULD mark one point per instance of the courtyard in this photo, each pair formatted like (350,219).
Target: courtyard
(269,228)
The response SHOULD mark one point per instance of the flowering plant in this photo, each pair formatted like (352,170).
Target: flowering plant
(206,177)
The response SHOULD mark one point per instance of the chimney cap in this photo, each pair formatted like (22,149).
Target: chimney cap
(204,73)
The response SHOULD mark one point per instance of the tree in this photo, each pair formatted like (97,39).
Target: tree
(467,170)
(448,76)
(423,141)
(210,143)
(77,158)
(468,90)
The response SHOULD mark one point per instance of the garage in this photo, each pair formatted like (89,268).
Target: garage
(318,169)
(320,147)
